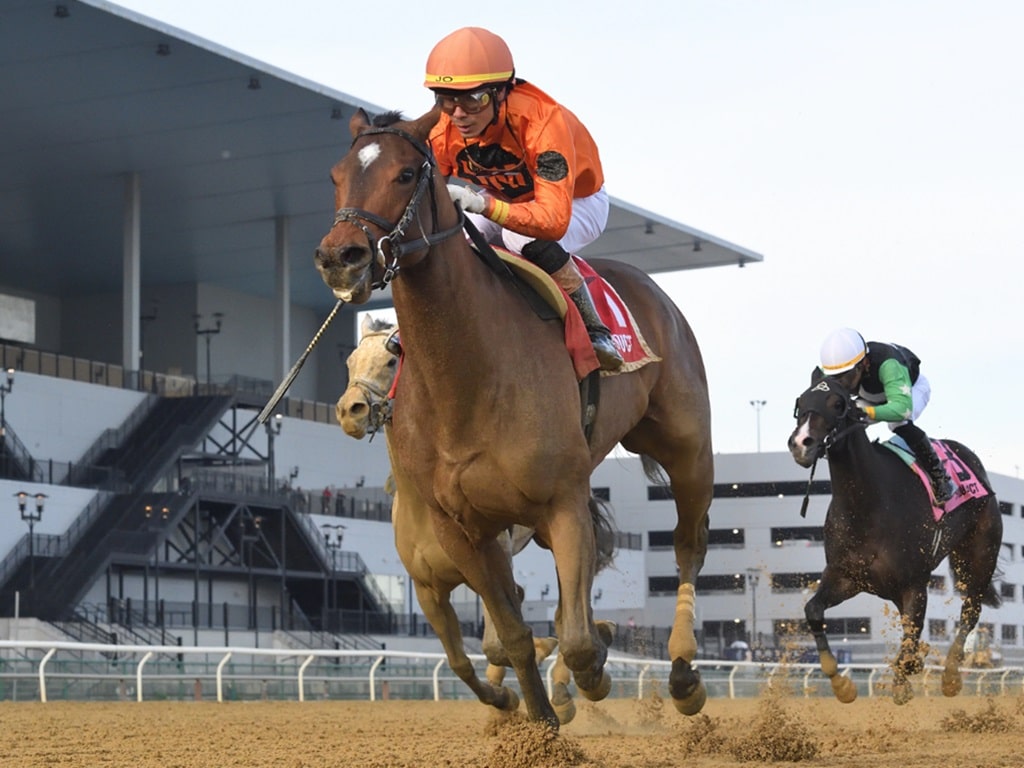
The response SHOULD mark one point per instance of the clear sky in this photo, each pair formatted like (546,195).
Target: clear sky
(872,151)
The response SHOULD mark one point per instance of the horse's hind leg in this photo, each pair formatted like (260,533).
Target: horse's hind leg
(909,660)
(439,612)
(691,479)
(573,545)
(973,563)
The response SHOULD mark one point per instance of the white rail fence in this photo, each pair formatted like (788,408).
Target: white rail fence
(93,671)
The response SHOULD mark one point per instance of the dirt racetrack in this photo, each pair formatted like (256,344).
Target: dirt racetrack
(778,728)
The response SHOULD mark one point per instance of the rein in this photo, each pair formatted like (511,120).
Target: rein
(834,436)
(392,246)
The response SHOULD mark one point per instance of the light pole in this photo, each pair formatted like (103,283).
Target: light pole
(248,539)
(31,516)
(333,545)
(218,318)
(758,405)
(753,579)
(273,427)
(143,319)
(5,390)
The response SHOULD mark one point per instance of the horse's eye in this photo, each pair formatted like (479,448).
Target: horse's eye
(392,362)
(407,175)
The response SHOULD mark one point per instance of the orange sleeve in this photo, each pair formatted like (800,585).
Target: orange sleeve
(551,160)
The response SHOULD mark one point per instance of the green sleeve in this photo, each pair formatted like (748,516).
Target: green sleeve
(898,404)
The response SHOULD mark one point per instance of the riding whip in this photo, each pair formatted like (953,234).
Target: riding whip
(283,386)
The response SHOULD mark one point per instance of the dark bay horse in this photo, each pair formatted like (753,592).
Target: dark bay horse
(486,423)
(881,535)
(364,408)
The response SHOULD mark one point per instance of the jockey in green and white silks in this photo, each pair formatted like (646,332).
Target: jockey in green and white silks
(891,389)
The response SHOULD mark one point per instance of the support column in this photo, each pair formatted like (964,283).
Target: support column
(131,273)
(282,299)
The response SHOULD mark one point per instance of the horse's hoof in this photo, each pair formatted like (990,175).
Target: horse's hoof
(511,701)
(844,688)
(606,631)
(544,647)
(684,682)
(600,691)
(952,683)
(694,703)
(902,693)
(565,708)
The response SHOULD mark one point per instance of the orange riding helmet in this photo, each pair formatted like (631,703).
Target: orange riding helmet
(467,59)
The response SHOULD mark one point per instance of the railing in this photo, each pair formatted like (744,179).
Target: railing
(97,671)
(107,374)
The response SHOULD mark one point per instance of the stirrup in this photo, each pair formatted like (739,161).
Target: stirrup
(607,355)
(943,490)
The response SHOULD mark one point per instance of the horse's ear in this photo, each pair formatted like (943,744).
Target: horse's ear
(360,122)
(366,326)
(421,127)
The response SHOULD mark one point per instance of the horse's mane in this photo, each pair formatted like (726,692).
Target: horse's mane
(387,118)
(380,324)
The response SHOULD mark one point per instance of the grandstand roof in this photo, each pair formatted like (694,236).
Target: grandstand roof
(222,145)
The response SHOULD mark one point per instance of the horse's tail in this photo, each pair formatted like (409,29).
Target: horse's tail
(604,532)
(653,470)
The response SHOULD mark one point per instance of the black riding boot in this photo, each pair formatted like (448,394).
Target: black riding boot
(922,448)
(555,260)
(607,355)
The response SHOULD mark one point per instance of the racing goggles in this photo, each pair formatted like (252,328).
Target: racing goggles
(471,102)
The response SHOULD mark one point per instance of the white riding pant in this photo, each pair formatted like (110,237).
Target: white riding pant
(588,220)
(920,394)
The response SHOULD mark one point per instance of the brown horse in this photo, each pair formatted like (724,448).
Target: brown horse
(364,408)
(487,425)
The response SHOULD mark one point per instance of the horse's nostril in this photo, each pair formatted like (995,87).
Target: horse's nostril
(357,409)
(807,442)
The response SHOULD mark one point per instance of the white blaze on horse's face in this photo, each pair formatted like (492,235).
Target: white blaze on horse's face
(368,154)
(800,440)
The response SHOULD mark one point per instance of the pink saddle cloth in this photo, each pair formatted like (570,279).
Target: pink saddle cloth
(966,482)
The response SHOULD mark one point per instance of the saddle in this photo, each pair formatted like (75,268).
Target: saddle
(968,486)
(610,307)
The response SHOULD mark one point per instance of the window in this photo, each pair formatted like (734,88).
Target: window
(787,488)
(1006,508)
(662,585)
(781,536)
(726,537)
(723,633)
(853,628)
(604,494)
(938,629)
(1009,634)
(1008,552)
(937,584)
(659,539)
(733,582)
(1007,591)
(794,582)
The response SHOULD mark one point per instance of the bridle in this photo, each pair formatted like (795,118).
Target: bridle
(390,248)
(844,423)
(376,398)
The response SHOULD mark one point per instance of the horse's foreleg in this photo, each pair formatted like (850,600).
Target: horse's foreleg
(442,617)
(827,596)
(487,569)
